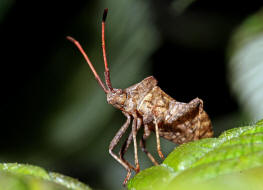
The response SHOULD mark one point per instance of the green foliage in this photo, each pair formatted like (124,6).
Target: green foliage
(234,160)
(28,177)
(246,66)
(67,181)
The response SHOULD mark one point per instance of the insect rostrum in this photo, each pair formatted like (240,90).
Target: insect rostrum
(147,106)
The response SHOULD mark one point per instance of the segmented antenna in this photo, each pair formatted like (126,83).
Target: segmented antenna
(89,62)
(107,71)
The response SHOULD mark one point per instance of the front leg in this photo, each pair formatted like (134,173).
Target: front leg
(115,141)
(128,141)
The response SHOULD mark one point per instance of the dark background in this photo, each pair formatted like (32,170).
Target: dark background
(37,63)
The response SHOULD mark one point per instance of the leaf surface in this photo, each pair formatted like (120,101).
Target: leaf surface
(28,177)
(209,162)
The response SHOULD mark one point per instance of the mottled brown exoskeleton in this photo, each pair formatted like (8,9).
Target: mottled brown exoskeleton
(147,105)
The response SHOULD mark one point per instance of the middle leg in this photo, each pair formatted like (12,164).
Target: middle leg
(146,134)
(134,133)
(158,139)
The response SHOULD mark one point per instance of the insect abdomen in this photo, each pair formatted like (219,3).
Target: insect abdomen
(187,121)
(178,122)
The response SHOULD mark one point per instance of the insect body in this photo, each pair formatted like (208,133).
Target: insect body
(147,105)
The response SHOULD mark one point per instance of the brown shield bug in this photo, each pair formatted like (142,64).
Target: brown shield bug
(147,105)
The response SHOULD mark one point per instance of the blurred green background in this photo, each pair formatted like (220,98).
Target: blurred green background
(54,115)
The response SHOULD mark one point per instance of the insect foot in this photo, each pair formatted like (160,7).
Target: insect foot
(147,106)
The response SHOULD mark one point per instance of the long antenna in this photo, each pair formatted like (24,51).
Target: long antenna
(107,71)
(89,62)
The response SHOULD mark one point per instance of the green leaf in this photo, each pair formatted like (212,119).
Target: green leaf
(236,154)
(67,181)
(24,169)
(28,177)
(9,181)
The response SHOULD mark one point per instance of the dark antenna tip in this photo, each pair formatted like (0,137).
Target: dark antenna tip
(104,14)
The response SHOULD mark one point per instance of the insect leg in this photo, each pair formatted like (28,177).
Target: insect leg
(134,133)
(124,149)
(128,142)
(158,139)
(146,134)
(125,146)
(115,141)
